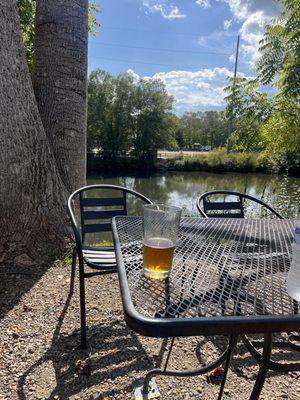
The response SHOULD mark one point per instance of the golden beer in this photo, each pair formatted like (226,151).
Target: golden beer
(158,257)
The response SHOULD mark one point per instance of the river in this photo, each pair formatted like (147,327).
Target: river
(183,188)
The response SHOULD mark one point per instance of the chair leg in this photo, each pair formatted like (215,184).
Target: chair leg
(82,305)
(73,269)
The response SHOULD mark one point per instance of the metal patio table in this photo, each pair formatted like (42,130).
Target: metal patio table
(228,278)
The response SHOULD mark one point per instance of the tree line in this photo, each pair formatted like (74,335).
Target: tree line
(126,116)
(135,117)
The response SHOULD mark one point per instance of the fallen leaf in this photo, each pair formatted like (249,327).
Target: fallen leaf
(215,375)
(16,332)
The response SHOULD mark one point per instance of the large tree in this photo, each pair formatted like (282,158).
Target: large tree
(125,115)
(32,187)
(60,83)
(27,17)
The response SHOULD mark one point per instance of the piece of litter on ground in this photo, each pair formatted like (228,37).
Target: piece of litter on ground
(153,392)
(215,375)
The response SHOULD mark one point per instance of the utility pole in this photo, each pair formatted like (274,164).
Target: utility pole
(234,76)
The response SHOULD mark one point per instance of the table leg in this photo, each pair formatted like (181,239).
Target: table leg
(190,373)
(263,367)
(232,342)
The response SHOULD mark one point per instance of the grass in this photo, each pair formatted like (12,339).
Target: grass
(219,160)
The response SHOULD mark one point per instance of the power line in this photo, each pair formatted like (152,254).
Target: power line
(161,49)
(150,31)
(146,63)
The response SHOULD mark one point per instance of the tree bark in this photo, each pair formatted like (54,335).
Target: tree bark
(32,194)
(60,83)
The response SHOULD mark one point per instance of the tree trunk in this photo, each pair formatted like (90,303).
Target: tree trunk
(32,195)
(60,83)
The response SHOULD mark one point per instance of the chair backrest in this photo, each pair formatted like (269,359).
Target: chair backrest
(227,209)
(95,213)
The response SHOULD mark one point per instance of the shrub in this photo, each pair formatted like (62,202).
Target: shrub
(219,160)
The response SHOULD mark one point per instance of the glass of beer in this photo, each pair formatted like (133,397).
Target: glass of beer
(160,232)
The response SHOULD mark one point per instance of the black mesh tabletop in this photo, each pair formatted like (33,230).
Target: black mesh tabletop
(228,276)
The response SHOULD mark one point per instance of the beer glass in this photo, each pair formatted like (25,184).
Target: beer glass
(160,231)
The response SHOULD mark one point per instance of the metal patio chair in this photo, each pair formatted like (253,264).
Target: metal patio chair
(228,209)
(92,215)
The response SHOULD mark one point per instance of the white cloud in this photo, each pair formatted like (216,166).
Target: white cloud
(227,24)
(203,3)
(173,14)
(252,32)
(242,9)
(167,11)
(254,15)
(194,91)
(136,77)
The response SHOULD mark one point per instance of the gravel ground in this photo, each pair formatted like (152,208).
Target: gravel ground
(40,358)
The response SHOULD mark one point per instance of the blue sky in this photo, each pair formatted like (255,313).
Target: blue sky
(189,44)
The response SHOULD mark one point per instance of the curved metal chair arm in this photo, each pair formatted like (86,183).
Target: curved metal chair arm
(238,194)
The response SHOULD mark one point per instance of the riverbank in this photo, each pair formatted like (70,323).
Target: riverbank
(214,161)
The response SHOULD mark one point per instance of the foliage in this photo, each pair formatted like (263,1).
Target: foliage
(271,125)
(93,24)
(248,109)
(27,18)
(268,125)
(151,110)
(110,102)
(127,117)
(219,160)
(280,47)
(281,133)
(206,128)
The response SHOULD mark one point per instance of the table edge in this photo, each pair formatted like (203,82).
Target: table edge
(173,327)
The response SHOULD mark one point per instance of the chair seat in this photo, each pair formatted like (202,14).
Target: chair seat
(99,257)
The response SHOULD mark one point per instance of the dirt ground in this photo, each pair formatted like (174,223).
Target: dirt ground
(40,356)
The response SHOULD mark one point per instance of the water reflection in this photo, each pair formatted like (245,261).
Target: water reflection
(183,188)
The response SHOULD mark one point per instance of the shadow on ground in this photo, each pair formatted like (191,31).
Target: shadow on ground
(113,351)
(15,282)
(242,362)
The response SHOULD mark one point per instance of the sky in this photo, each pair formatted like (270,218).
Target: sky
(189,44)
